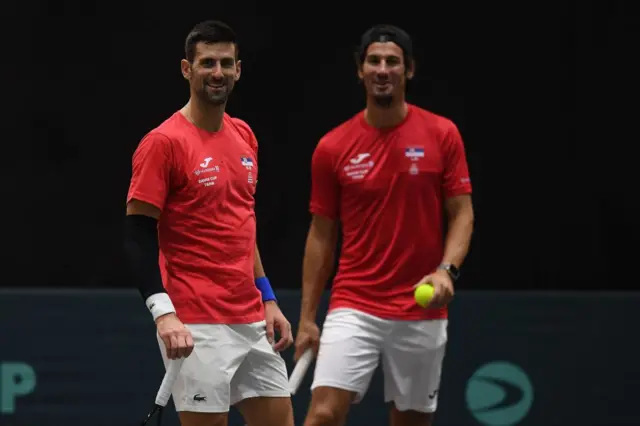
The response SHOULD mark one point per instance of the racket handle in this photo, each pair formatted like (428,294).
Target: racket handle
(300,370)
(170,376)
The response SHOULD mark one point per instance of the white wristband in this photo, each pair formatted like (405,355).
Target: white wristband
(159,304)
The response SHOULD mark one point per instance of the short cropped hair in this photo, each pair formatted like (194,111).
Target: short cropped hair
(209,32)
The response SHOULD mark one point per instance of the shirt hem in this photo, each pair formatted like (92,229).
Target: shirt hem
(462,190)
(427,314)
(321,212)
(145,199)
(209,319)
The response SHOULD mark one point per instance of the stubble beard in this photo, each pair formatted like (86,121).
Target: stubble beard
(383,101)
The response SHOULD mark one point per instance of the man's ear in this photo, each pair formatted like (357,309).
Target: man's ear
(411,69)
(185,68)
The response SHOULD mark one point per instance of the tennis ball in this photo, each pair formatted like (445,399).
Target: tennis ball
(423,294)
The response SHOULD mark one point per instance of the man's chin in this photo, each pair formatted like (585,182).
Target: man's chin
(215,98)
(384,101)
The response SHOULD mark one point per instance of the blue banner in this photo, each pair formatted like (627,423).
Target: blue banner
(90,357)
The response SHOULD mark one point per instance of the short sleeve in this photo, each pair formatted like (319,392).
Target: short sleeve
(325,188)
(253,142)
(249,137)
(456,170)
(151,170)
(247,134)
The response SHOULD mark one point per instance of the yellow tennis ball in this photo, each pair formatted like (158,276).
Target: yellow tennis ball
(423,294)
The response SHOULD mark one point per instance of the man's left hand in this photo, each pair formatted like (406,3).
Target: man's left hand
(442,286)
(276,321)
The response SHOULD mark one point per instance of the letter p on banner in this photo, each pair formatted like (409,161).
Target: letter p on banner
(16,379)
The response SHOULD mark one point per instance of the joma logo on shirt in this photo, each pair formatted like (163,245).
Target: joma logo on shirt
(206,168)
(359,158)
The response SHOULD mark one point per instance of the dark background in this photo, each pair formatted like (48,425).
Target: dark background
(544,95)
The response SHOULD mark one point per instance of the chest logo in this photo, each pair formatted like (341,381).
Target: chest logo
(414,153)
(247,162)
(358,168)
(206,167)
(359,158)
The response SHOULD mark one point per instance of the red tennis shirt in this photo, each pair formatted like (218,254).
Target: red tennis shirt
(204,184)
(387,187)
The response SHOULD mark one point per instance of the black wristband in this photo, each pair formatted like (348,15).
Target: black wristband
(452,270)
(141,251)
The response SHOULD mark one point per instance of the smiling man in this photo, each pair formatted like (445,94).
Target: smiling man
(386,175)
(191,243)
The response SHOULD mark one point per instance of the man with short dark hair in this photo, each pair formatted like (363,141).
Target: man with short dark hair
(191,242)
(386,175)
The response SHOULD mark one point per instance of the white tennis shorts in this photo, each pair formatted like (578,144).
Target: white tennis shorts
(412,352)
(228,364)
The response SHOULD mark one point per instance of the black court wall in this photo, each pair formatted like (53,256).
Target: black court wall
(543,96)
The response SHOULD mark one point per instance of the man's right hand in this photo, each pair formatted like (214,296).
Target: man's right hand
(176,337)
(308,337)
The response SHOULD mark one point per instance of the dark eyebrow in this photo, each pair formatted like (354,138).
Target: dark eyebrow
(219,59)
(377,56)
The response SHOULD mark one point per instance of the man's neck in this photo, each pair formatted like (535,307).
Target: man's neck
(381,117)
(204,116)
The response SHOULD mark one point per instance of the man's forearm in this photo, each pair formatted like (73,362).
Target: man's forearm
(316,270)
(458,237)
(258,269)
(261,280)
(141,251)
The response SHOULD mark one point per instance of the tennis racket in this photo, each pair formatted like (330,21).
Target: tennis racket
(164,393)
(300,370)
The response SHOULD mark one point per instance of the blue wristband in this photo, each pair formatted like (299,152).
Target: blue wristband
(265,288)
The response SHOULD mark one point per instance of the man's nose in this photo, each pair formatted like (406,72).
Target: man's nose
(383,67)
(217,71)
